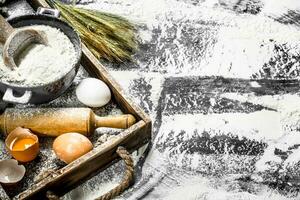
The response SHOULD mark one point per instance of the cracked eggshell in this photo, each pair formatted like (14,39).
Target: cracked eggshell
(93,92)
(11,172)
(23,155)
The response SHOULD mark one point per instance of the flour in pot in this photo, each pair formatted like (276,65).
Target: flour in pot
(40,64)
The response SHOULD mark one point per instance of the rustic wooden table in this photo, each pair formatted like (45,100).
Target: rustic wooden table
(214,138)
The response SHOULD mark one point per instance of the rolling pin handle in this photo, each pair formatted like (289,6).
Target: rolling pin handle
(122,121)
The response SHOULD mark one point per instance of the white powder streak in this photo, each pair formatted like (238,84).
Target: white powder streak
(243,49)
(261,125)
(243,42)
(287,105)
(279,7)
(198,188)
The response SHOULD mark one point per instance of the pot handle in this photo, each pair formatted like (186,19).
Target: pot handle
(48,11)
(9,97)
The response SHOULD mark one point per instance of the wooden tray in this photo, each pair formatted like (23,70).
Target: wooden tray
(63,180)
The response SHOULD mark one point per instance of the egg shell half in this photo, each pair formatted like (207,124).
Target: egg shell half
(70,146)
(11,172)
(28,154)
(93,92)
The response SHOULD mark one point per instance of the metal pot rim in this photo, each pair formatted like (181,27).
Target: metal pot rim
(79,53)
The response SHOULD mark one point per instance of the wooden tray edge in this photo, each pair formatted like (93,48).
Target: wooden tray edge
(94,162)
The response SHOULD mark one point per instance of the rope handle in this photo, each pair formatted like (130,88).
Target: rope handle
(125,183)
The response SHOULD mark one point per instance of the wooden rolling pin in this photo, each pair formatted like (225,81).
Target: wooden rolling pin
(56,121)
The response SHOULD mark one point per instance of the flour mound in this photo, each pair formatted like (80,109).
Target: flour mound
(40,64)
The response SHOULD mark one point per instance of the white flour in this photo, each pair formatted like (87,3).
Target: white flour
(245,47)
(234,45)
(279,7)
(270,162)
(41,64)
(287,106)
(288,110)
(201,188)
(239,124)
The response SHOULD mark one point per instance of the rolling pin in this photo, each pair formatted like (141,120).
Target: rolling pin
(56,121)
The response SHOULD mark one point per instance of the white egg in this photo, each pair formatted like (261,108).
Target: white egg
(93,92)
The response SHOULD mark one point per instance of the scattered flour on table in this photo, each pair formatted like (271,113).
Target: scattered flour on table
(279,7)
(288,111)
(18,8)
(287,107)
(86,194)
(255,126)
(279,128)
(240,51)
(198,188)
(40,64)
(228,44)
(242,125)
(272,162)
(155,80)
(244,48)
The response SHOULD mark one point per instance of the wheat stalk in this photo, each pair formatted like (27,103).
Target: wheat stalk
(106,35)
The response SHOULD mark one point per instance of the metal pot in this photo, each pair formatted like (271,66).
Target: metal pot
(14,93)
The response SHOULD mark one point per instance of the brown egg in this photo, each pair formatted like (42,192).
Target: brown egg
(70,146)
(22,144)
